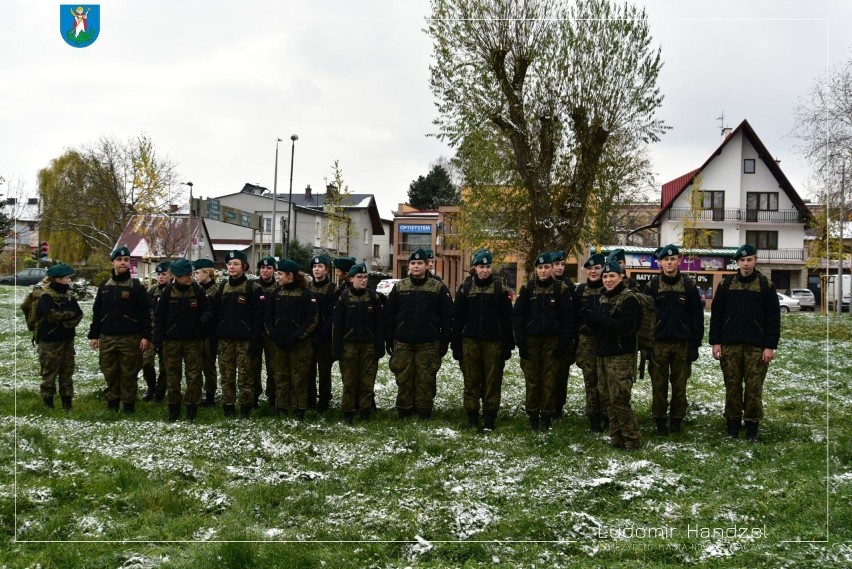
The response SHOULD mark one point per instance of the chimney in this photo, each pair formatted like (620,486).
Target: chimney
(726,132)
(308,192)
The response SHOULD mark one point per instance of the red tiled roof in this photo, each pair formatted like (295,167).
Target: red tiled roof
(672,189)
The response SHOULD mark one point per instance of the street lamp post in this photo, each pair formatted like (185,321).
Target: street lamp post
(189,224)
(274,200)
(294,138)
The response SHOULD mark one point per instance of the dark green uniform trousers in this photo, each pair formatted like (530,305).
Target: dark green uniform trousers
(540,375)
(588,362)
(670,366)
(416,368)
(616,375)
(257,369)
(57,361)
(208,365)
(744,372)
(235,371)
(358,367)
(120,360)
(188,354)
(319,374)
(482,368)
(290,366)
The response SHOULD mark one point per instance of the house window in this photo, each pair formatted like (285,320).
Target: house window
(762,239)
(376,251)
(366,242)
(703,238)
(414,241)
(714,201)
(317,234)
(748,166)
(760,201)
(267,225)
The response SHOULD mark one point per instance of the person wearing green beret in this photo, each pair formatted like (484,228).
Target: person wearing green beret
(745,327)
(238,315)
(341,272)
(319,373)
(121,331)
(564,364)
(587,297)
(543,323)
(482,340)
(678,332)
(419,316)
(182,315)
(267,284)
(153,374)
(619,256)
(206,276)
(58,316)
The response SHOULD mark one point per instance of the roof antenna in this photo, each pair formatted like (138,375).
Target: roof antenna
(724,130)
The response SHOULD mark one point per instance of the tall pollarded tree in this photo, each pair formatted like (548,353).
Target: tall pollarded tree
(546,102)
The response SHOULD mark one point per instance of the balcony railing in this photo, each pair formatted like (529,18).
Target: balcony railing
(737,215)
(780,255)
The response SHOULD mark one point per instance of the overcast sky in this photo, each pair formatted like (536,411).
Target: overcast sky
(215,83)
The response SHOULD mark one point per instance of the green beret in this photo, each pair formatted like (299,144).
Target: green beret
(745,251)
(234,254)
(287,266)
(180,268)
(544,258)
(344,263)
(616,255)
(359,268)
(266,262)
(162,267)
(418,255)
(321,260)
(429,253)
(613,267)
(596,259)
(202,264)
(60,270)
(120,252)
(482,257)
(557,255)
(666,251)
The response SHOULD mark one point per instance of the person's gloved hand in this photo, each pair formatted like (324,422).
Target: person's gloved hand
(204,319)
(693,353)
(523,351)
(389,347)
(445,347)
(506,353)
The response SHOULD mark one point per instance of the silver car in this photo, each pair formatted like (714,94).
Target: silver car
(806,298)
(788,304)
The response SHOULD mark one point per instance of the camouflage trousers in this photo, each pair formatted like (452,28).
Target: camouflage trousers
(744,372)
(208,364)
(540,374)
(563,371)
(188,354)
(587,361)
(616,375)
(670,366)
(290,370)
(120,360)
(57,360)
(358,367)
(235,366)
(320,368)
(266,357)
(416,368)
(482,368)
(149,362)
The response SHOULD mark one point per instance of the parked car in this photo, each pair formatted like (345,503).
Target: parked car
(386,286)
(788,304)
(805,297)
(24,277)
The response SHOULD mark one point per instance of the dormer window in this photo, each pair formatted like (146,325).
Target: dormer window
(748,166)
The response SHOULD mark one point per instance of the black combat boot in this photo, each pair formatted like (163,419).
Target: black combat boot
(66,402)
(300,414)
(604,423)
(546,421)
(424,414)
(733,428)
(159,396)
(662,428)
(191,413)
(150,376)
(488,418)
(751,431)
(404,413)
(113,405)
(129,407)
(48,402)
(228,410)
(209,399)
(473,420)
(674,425)
(174,412)
(245,410)
(348,417)
(322,405)
(595,424)
(281,411)
(366,415)
(558,414)
(534,420)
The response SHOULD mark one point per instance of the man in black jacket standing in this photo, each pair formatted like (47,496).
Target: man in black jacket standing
(745,326)
(679,331)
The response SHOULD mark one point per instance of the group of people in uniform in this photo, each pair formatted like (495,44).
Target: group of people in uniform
(298,328)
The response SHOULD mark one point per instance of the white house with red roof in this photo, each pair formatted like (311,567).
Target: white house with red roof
(745,198)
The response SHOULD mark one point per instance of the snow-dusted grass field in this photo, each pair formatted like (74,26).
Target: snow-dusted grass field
(140,492)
